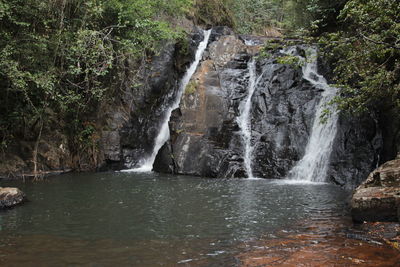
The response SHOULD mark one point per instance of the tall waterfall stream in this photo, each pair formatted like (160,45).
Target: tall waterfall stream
(314,165)
(163,134)
(315,162)
(244,120)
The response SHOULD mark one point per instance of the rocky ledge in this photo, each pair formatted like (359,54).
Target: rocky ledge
(378,198)
(10,197)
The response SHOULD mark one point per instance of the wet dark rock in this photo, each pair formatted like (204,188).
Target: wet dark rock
(185,52)
(160,86)
(219,31)
(164,161)
(205,136)
(389,124)
(132,130)
(10,197)
(378,198)
(205,141)
(398,209)
(283,107)
(356,151)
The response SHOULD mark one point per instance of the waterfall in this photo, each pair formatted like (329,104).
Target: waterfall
(163,135)
(315,162)
(244,120)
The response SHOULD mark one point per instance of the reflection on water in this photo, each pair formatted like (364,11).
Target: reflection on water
(152,219)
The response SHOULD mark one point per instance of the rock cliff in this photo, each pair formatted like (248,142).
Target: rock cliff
(133,130)
(205,137)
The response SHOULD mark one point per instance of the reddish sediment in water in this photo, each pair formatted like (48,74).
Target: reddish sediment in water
(328,243)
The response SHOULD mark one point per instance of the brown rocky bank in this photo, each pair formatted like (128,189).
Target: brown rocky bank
(376,204)
(378,198)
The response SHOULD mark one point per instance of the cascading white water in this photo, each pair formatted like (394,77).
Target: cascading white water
(163,135)
(315,162)
(244,120)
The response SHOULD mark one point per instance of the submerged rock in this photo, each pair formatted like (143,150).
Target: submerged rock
(378,198)
(327,242)
(10,197)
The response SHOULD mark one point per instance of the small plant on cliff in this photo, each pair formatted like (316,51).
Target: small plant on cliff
(268,48)
(183,45)
(264,54)
(191,88)
(272,45)
(293,61)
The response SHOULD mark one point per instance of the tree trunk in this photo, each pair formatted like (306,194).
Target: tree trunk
(36,174)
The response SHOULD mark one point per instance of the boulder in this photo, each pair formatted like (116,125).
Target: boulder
(378,198)
(10,197)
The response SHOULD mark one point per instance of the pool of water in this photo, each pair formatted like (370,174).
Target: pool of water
(113,219)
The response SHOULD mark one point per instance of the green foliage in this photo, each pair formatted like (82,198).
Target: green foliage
(253,16)
(264,54)
(293,61)
(366,55)
(191,88)
(183,45)
(322,15)
(271,45)
(87,136)
(267,48)
(214,12)
(66,55)
(289,16)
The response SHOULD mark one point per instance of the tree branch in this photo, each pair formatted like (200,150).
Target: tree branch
(377,42)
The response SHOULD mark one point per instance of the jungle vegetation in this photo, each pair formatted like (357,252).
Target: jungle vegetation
(60,59)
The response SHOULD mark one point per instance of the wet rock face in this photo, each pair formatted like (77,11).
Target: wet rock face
(160,86)
(206,139)
(355,152)
(283,107)
(10,197)
(205,136)
(131,132)
(378,198)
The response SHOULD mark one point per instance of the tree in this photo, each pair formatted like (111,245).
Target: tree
(366,55)
(60,58)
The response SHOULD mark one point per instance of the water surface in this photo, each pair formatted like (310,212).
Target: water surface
(106,219)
